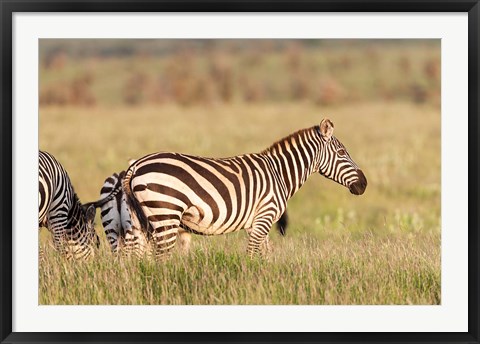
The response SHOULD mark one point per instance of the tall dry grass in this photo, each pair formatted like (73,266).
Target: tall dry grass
(343,270)
(380,248)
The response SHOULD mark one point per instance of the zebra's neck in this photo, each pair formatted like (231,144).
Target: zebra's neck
(295,158)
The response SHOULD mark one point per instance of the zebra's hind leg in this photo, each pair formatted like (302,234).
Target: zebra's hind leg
(164,239)
(141,243)
(129,242)
(114,240)
(184,239)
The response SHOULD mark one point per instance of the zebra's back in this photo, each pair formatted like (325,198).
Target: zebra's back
(55,188)
(208,196)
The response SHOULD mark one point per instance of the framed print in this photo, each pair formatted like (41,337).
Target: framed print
(262,172)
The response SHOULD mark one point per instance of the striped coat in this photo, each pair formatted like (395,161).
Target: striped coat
(71,223)
(210,196)
(122,227)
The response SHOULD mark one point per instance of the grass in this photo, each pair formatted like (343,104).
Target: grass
(379,248)
(302,270)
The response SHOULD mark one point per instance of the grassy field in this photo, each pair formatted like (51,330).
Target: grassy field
(379,248)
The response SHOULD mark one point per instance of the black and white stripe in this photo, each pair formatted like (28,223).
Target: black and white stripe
(169,191)
(70,222)
(122,227)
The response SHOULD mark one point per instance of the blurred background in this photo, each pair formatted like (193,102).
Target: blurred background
(190,72)
(103,102)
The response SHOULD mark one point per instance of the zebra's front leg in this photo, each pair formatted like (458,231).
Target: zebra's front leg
(258,237)
(59,234)
(266,248)
(41,255)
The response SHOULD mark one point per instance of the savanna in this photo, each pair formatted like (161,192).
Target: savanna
(101,107)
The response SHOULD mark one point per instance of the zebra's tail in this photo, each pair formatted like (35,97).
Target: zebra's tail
(116,189)
(102,201)
(131,200)
(282,223)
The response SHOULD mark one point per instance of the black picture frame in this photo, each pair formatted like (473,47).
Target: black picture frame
(9,7)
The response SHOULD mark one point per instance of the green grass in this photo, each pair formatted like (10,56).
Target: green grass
(379,248)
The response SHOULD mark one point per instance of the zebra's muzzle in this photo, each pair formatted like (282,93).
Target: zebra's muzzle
(358,187)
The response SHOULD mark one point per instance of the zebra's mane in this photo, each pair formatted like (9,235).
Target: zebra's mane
(275,145)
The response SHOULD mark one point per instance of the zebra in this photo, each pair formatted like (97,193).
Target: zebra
(215,196)
(71,223)
(122,227)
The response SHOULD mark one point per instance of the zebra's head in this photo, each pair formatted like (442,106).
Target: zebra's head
(336,164)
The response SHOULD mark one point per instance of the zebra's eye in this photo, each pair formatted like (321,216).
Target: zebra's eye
(341,152)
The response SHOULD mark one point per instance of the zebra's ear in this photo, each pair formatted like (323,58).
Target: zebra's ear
(326,128)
